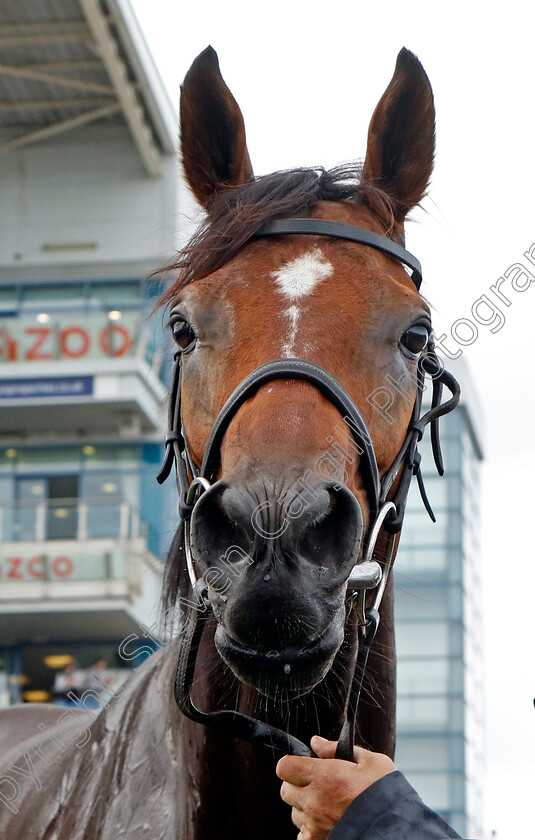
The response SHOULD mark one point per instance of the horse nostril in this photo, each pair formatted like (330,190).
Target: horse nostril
(321,525)
(333,533)
(214,532)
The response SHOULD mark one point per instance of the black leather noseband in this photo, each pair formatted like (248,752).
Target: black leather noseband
(386,510)
(325,384)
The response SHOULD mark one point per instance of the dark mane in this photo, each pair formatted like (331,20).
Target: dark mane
(235,215)
(175,580)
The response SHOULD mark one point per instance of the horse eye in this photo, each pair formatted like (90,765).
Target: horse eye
(415,339)
(183,333)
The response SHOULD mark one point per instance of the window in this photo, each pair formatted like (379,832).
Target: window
(420,600)
(429,676)
(419,639)
(435,753)
(43,297)
(73,492)
(434,789)
(420,714)
(110,295)
(46,507)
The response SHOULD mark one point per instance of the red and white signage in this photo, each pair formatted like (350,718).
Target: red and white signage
(77,337)
(55,567)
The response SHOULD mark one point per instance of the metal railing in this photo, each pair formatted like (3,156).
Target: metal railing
(70,519)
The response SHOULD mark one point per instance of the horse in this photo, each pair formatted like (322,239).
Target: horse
(274,534)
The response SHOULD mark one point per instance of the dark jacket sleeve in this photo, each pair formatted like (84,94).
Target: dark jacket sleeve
(390,809)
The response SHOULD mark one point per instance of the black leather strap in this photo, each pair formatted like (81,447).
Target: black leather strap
(366,635)
(322,227)
(326,385)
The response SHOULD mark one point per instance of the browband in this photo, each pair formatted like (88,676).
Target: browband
(322,227)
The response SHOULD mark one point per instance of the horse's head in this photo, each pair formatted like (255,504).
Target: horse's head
(279,530)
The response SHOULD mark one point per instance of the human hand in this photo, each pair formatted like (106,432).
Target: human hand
(320,791)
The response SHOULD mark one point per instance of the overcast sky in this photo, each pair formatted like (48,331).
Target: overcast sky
(307,76)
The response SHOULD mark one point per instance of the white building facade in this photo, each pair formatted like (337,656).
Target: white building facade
(90,200)
(439,632)
(91,203)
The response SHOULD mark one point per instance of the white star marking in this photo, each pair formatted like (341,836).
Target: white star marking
(298,277)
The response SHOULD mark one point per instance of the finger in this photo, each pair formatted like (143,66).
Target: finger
(298,817)
(296,769)
(360,753)
(327,749)
(322,747)
(292,795)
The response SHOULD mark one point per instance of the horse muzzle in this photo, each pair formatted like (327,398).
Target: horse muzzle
(282,673)
(276,568)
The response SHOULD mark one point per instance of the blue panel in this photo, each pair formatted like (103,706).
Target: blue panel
(71,386)
(156,502)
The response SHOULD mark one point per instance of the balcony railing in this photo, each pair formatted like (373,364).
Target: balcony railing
(70,519)
(89,542)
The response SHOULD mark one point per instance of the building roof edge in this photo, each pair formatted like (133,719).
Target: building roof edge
(153,91)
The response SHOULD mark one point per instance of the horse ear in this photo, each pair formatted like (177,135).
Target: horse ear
(401,137)
(214,151)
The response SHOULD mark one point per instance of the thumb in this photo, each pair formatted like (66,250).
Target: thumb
(322,747)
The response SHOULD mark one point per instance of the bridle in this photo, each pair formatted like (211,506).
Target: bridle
(386,513)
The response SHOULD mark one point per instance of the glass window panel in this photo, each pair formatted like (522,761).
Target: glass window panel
(456,684)
(62,519)
(20,523)
(48,460)
(420,714)
(101,486)
(457,820)
(32,489)
(6,489)
(8,300)
(457,790)
(457,752)
(418,529)
(111,487)
(457,711)
(8,294)
(423,676)
(418,599)
(430,676)
(423,638)
(8,459)
(121,457)
(127,454)
(438,490)
(414,559)
(434,789)
(104,520)
(57,293)
(453,456)
(114,294)
(427,753)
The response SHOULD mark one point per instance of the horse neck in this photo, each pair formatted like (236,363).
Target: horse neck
(233,789)
(231,786)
